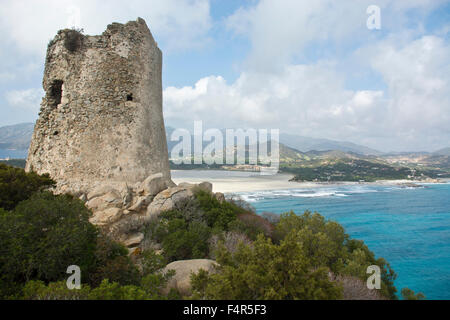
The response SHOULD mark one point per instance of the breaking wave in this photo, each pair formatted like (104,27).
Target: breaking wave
(339,192)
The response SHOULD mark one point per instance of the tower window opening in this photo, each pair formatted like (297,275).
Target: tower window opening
(56,92)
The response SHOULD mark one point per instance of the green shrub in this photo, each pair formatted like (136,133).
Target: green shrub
(114,291)
(181,240)
(150,262)
(408,294)
(184,233)
(327,244)
(16,185)
(252,225)
(38,290)
(153,284)
(359,257)
(217,215)
(265,271)
(112,262)
(148,289)
(43,236)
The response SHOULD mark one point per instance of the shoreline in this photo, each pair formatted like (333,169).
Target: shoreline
(244,181)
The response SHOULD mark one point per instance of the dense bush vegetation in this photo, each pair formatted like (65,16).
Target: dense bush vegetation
(41,234)
(44,235)
(148,289)
(16,185)
(265,271)
(286,257)
(295,265)
(326,244)
(111,262)
(408,294)
(185,233)
(347,170)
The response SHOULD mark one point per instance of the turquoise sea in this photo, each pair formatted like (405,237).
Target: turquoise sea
(409,227)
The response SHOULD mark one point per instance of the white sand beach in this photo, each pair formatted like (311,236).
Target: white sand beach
(237,181)
(241,181)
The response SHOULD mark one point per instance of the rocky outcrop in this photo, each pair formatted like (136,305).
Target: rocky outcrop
(181,281)
(220,196)
(174,198)
(123,211)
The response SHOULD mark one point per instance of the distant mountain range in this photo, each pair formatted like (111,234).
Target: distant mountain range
(306,144)
(309,159)
(18,137)
(443,152)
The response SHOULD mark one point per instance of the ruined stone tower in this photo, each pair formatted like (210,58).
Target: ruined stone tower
(101,118)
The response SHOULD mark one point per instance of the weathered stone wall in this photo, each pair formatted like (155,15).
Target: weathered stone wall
(100,132)
(101,118)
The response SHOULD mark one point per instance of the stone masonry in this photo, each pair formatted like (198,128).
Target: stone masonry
(100,133)
(101,118)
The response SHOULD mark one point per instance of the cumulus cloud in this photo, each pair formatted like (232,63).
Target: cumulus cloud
(280,30)
(301,99)
(29,25)
(281,87)
(312,99)
(418,80)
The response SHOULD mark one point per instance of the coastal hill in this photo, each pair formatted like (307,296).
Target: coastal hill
(17,136)
(334,165)
(344,162)
(306,144)
(443,152)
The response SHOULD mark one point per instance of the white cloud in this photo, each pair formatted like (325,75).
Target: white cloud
(280,30)
(300,99)
(418,79)
(28,99)
(312,100)
(29,25)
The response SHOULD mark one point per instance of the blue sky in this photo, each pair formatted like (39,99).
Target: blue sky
(307,68)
